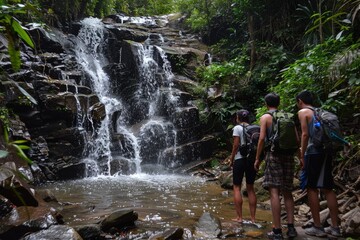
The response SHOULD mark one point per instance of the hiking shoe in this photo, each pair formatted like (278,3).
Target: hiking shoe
(272,235)
(316,231)
(335,231)
(291,232)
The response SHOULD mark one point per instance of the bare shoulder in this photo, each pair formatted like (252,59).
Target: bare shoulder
(266,116)
(305,112)
(265,120)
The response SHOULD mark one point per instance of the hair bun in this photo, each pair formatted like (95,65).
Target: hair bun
(243,113)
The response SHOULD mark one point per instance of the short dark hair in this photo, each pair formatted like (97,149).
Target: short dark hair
(272,99)
(243,115)
(305,96)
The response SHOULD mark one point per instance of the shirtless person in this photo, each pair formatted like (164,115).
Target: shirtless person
(318,166)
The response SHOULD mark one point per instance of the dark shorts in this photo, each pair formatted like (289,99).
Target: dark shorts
(279,171)
(244,166)
(318,168)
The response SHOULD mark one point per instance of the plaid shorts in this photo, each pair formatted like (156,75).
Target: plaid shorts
(279,171)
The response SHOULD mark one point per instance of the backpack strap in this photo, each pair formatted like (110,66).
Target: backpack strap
(272,124)
(315,115)
(244,133)
(311,108)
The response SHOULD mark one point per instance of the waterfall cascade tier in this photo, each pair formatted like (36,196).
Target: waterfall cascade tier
(112,97)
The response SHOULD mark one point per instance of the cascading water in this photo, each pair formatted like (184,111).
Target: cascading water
(88,53)
(145,138)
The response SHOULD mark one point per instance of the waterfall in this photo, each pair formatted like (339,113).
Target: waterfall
(90,56)
(118,142)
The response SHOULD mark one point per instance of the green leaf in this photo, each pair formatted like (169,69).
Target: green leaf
(23,147)
(23,91)
(3,153)
(14,54)
(21,154)
(22,33)
(6,135)
(19,141)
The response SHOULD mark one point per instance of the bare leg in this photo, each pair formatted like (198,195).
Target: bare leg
(314,205)
(289,206)
(252,201)
(333,206)
(238,201)
(275,206)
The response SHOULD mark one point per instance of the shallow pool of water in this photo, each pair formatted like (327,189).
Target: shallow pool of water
(161,201)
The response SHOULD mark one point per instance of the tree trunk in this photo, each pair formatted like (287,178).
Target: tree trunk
(251,40)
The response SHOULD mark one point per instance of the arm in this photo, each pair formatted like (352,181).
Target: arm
(236,143)
(261,142)
(303,118)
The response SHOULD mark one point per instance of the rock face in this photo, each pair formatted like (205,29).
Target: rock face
(140,114)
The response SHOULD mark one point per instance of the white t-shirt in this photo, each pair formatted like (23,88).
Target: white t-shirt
(238,132)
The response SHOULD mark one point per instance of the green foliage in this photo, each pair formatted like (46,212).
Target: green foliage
(18,145)
(197,20)
(310,72)
(326,19)
(72,10)
(4,116)
(224,73)
(214,163)
(224,110)
(14,31)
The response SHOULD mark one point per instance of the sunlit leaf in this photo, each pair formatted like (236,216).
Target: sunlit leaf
(24,147)
(19,141)
(3,153)
(22,33)
(6,135)
(21,154)
(338,36)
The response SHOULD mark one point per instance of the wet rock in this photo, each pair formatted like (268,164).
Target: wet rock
(5,206)
(226,180)
(54,232)
(208,226)
(119,219)
(189,152)
(46,41)
(183,136)
(186,117)
(97,113)
(170,234)
(25,219)
(89,232)
(46,195)
(73,171)
(120,165)
(254,234)
(39,150)
(19,195)
(123,33)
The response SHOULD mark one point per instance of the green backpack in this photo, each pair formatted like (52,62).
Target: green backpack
(283,137)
